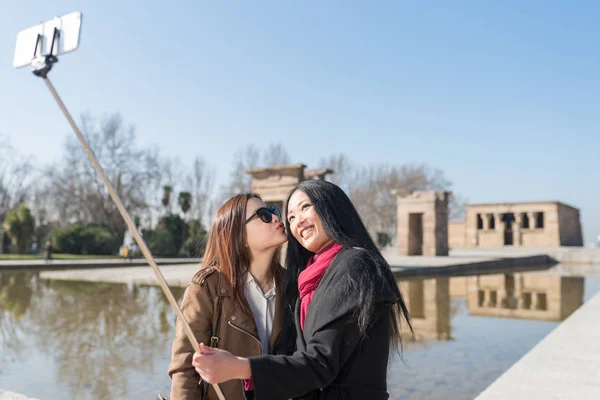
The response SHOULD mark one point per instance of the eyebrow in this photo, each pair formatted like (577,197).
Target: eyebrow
(298,204)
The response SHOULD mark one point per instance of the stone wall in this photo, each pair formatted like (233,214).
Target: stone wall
(514,224)
(274,184)
(456,234)
(422,223)
(569,223)
(422,217)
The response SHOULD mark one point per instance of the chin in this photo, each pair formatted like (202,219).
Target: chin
(310,247)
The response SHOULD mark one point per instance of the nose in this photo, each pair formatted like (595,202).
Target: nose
(300,221)
(276,218)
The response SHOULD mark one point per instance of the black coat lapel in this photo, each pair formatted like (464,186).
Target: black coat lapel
(300,343)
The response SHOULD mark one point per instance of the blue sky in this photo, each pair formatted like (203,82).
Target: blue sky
(503,97)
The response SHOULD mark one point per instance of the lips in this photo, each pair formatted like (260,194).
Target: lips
(306,231)
(281,226)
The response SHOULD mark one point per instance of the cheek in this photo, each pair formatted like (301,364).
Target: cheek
(254,234)
(251,237)
(317,221)
(321,234)
(294,231)
(260,236)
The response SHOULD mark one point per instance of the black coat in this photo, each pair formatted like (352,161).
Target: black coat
(332,361)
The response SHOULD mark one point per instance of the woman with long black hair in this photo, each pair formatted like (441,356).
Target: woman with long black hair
(347,315)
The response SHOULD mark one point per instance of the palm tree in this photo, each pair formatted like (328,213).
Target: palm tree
(185,202)
(166,196)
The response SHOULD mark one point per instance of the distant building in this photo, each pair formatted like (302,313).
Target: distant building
(422,217)
(275,183)
(422,223)
(531,224)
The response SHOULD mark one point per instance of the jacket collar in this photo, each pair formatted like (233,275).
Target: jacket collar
(247,322)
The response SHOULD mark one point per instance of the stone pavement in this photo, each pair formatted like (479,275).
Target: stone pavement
(564,365)
(466,263)
(175,275)
(403,267)
(563,255)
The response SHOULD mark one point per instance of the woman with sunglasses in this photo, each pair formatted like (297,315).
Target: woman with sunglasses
(234,302)
(348,309)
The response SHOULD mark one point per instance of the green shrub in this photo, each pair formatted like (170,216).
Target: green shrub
(82,238)
(160,242)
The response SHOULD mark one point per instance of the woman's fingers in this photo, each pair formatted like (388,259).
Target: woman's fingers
(213,365)
(201,363)
(207,349)
(206,362)
(200,360)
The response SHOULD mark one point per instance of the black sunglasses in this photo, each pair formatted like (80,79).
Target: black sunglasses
(266,214)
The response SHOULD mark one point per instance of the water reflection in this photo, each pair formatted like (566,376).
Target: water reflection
(534,296)
(15,298)
(96,333)
(105,341)
(470,330)
(543,296)
(428,301)
(15,293)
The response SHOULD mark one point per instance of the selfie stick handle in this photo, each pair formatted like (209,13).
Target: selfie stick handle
(132,228)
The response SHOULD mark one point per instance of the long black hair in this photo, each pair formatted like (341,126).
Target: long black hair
(343,225)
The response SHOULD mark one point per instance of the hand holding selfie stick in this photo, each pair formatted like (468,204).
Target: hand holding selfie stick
(42,64)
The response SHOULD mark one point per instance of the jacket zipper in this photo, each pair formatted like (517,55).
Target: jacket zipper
(247,333)
(253,337)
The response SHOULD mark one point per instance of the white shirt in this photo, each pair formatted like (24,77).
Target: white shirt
(263,309)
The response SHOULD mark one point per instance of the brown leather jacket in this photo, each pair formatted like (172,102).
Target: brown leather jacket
(237,334)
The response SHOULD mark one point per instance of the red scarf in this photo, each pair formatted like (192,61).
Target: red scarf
(309,279)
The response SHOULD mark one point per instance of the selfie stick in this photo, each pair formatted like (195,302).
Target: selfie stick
(42,64)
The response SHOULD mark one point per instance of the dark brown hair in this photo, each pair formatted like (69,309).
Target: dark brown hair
(226,248)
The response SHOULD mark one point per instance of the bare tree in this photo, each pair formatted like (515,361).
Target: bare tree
(200,181)
(344,170)
(372,191)
(457,207)
(414,177)
(422,177)
(239,181)
(276,154)
(16,176)
(371,194)
(77,191)
(249,157)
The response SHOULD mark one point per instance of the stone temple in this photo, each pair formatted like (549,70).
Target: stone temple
(531,224)
(423,228)
(274,184)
